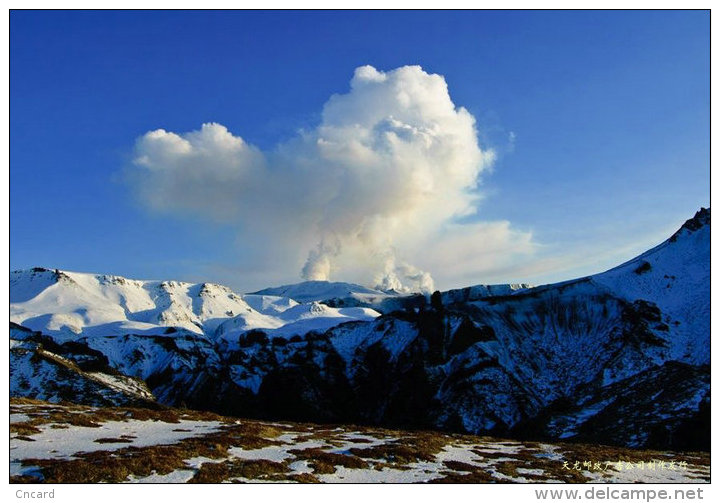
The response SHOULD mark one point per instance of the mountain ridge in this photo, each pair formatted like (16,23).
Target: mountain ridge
(565,360)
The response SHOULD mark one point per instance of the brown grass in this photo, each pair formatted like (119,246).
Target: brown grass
(476,477)
(23,429)
(248,435)
(392,453)
(508,468)
(213,473)
(487,454)
(304,478)
(103,467)
(329,437)
(409,449)
(459,466)
(27,401)
(325,462)
(80,415)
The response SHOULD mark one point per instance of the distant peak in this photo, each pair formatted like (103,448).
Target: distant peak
(317,290)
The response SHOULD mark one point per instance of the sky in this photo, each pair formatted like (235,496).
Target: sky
(406,149)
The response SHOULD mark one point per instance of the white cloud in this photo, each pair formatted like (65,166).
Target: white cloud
(477,250)
(376,186)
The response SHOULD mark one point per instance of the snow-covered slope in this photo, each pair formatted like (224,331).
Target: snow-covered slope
(299,319)
(675,276)
(69,304)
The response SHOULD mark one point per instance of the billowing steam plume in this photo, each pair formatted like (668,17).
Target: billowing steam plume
(392,164)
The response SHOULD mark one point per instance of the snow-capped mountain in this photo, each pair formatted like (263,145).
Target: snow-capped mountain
(617,357)
(67,304)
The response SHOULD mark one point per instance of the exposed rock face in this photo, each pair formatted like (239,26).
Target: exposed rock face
(701,219)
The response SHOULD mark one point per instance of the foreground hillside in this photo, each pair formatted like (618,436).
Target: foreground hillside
(75,444)
(619,358)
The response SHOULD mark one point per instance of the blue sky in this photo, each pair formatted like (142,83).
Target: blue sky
(599,124)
